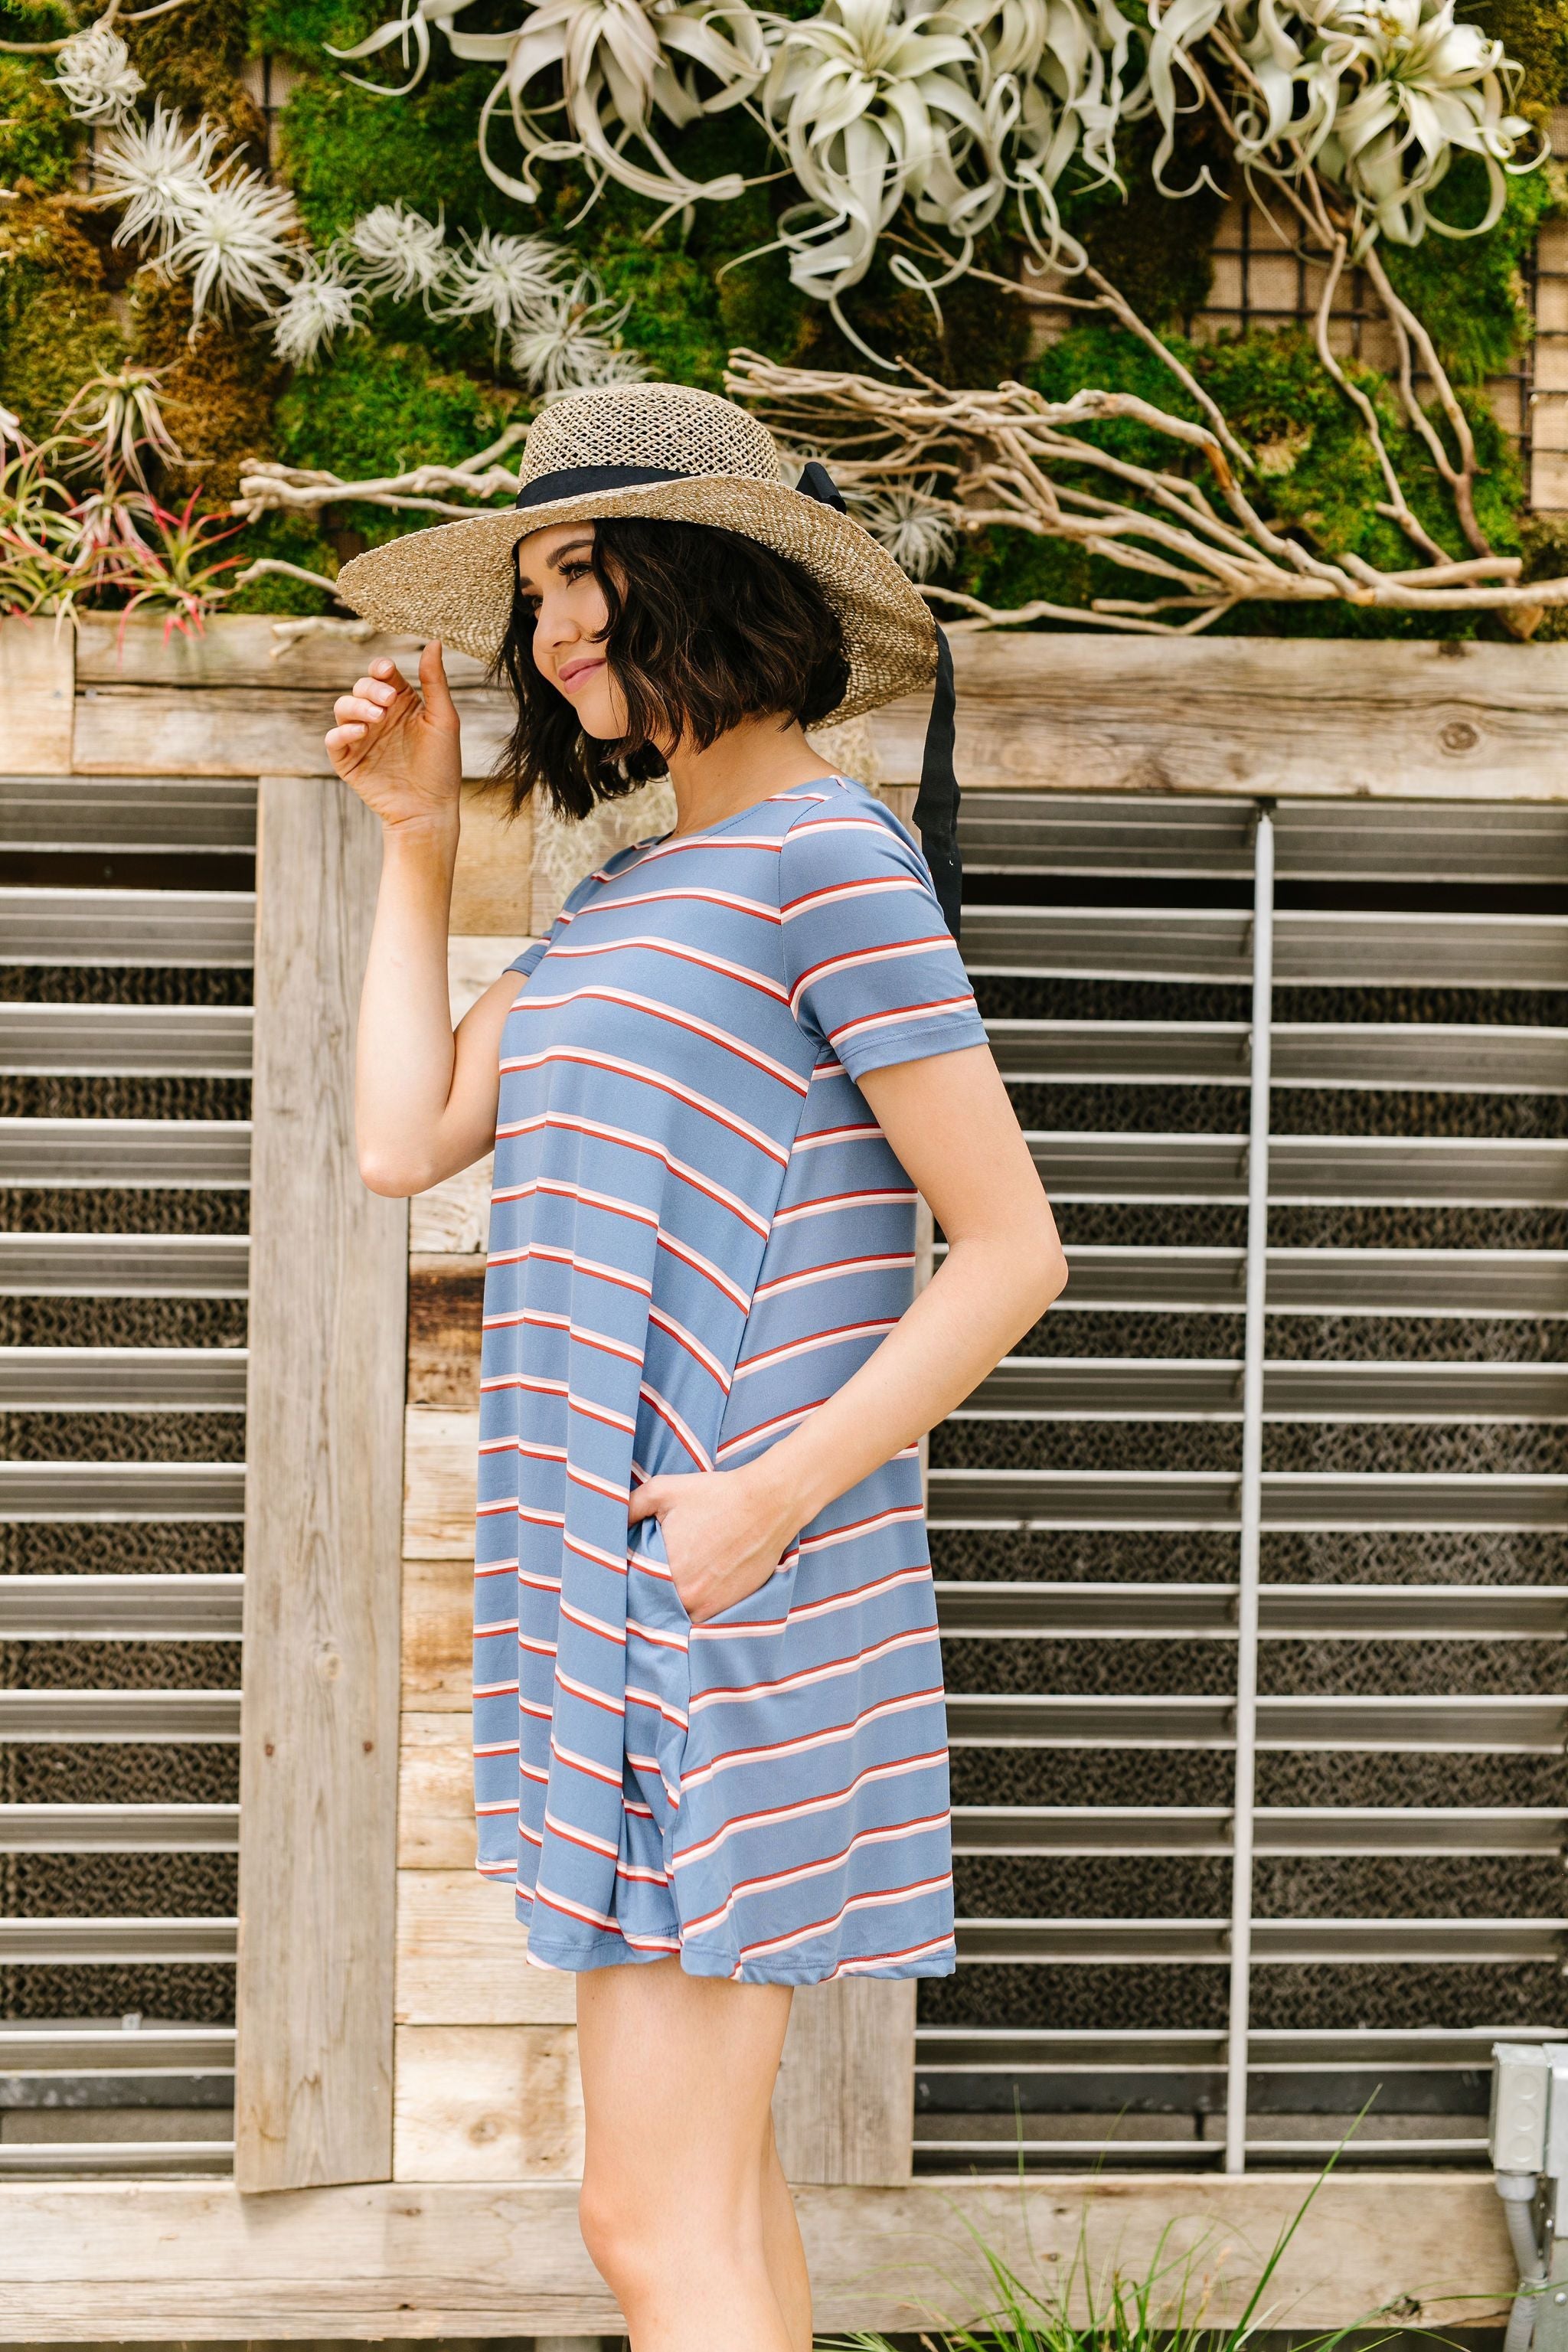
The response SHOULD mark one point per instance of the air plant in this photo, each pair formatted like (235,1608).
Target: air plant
(160,172)
(399,253)
(96,77)
(877,103)
(1376,96)
(506,279)
(912,520)
(128,424)
(321,304)
(235,244)
(623,62)
(572,341)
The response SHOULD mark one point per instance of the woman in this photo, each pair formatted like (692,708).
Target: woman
(708,1730)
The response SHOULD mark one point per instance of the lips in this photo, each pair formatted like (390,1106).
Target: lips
(575,671)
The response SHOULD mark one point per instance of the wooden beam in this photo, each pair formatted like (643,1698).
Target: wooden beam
(844,2107)
(436,1828)
(487,2103)
(439,1636)
(156,2259)
(319,1750)
(240,649)
(241,731)
(1296,716)
(441,1454)
(493,886)
(446,1304)
(462,1956)
(37,660)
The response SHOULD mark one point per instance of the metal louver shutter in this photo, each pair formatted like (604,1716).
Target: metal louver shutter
(1249,1562)
(126,927)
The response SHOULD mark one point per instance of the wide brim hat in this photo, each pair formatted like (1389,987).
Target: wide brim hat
(668,451)
(662,450)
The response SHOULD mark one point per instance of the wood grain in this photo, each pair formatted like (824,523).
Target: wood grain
(436,1828)
(844,2105)
(37,663)
(437,1636)
(446,1307)
(492,886)
(160,2260)
(241,731)
(241,649)
(319,1754)
(462,1956)
(1410,721)
(473,960)
(455,1215)
(487,2103)
(439,1485)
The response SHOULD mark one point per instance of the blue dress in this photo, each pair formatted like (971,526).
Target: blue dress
(698,1233)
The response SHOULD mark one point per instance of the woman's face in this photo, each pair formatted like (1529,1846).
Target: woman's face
(569,620)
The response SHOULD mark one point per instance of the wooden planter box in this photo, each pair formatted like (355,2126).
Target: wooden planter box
(408,2130)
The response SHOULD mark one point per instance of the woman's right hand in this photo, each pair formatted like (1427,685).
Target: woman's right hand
(400,751)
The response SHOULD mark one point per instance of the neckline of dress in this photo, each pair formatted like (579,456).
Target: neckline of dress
(706,832)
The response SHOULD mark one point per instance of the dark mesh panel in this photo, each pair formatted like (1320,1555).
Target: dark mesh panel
(69,1209)
(1447,1669)
(1149,1224)
(1393,1998)
(175,1992)
(1094,1886)
(122,1322)
(1399,1556)
(1140,1996)
(134,1774)
(123,1436)
(127,1665)
(127,1885)
(1315,1777)
(1086,1445)
(1350,1111)
(1128,1669)
(1095,1332)
(1090,1555)
(131,1547)
(1456,1448)
(1127,1109)
(1091,1776)
(1409,1886)
(86,983)
(1306,1224)
(135,1097)
(1418,1339)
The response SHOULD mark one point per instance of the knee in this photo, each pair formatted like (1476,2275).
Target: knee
(626,2242)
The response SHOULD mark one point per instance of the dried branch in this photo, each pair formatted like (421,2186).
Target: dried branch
(1012,458)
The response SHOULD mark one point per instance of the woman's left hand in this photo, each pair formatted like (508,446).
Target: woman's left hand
(723,1534)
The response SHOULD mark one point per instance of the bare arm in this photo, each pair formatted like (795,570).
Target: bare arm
(950,1122)
(425,1097)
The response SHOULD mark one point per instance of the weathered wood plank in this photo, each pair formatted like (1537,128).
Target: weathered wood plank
(141,2261)
(319,1761)
(455,1215)
(435,1795)
(437,1636)
(473,960)
(240,730)
(462,1956)
(37,695)
(240,649)
(446,1305)
(493,886)
(487,2103)
(844,2107)
(1299,716)
(439,1485)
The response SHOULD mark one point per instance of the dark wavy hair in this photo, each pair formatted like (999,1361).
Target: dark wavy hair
(706,628)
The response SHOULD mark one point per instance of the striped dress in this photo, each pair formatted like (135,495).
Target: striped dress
(698,1233)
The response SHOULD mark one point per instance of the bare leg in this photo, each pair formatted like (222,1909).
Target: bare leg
(678,2074)
(785,2255)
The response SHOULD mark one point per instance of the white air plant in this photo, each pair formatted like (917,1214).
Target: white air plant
(622,62)
(236,243)
(399,253)
(506,279)
(1378,95)
(911,522)
(876,103)
(321,305)
(95,75)
(160,172)
(574,340)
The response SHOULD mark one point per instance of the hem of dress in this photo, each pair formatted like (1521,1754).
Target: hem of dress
(610,1952)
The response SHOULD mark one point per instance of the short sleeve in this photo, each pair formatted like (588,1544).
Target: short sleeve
(873,970)
(532,954)
(528,958)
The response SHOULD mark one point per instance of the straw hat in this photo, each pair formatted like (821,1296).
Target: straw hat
(664,451)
